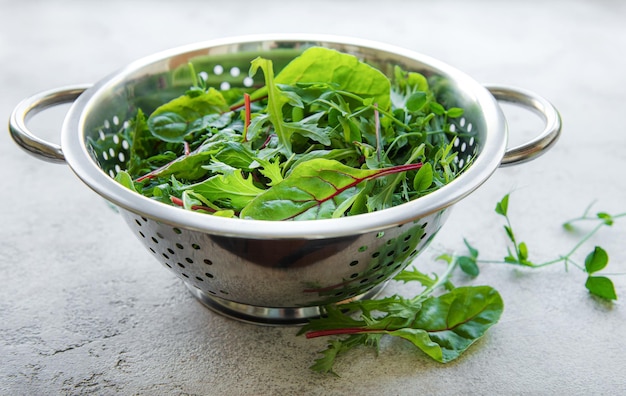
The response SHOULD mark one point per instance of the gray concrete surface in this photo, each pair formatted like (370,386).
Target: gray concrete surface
(85,310)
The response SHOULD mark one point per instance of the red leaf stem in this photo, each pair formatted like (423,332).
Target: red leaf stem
(347,330)
(246,101)
(239,105)
(179,202)
(158,170)
(379,172)
(377,131)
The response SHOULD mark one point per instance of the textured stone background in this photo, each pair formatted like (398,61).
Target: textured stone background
(85,309)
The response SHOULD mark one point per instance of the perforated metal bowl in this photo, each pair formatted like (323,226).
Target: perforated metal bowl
(261,271)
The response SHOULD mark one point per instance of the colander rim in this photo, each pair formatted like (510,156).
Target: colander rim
(78,158)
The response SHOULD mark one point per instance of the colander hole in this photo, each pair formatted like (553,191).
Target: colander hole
(169,266)
(111,153)
(142,235)
(424,225)
(155,240)
(138,223)
(225,85)
(463,147)
(462,122)
(181,265)
(189,260)
(407,238)
(405,249)
(209,275)
(375,254)
(389,264)
(339,294)
(461,163)
(353,263)
(195,246)
(177,230)
(391,253)
(218,70)
(456,141)
(390,242)
(224,292)
(355,275)
(107,124)
(469,127)
(380,234)
(377,266)
(153,251)
(121,157)
(199,279)
(208,262)
(171,251)
(105,156)
(234,71)
(423,236)
(116,139)
(178,245)
(364,280)
(362,248)
(118,169)
(125,144)
(203,75)
(381,276)
(471,141)
(248,82)
(452,128)
(185,275)
(166,256)
(101,134)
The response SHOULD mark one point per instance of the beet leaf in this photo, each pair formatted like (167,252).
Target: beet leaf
(313,190)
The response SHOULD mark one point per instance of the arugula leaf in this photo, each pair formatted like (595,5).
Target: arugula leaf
(309,127)
(276,99)
(233,190)
(141,145)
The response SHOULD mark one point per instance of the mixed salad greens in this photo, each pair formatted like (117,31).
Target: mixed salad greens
(328,136)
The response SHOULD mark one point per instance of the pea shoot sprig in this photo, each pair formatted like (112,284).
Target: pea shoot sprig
(597,284)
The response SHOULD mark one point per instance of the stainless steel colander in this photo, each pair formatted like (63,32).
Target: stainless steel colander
(274,272)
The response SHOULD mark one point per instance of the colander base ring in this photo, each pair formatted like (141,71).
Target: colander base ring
(269,316)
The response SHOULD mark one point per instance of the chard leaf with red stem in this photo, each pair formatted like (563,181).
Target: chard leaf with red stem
(313,190)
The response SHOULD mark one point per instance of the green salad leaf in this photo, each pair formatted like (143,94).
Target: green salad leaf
(171,122)
(326,136)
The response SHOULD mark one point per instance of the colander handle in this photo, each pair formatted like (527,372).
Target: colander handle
(544,141)
(32,105)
